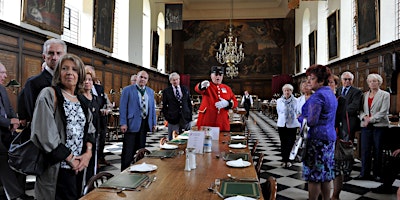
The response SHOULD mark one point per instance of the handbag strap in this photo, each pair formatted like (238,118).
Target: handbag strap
(348,123)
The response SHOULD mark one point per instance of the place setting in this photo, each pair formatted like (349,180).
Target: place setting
(237,146)
(238,163)
(235,188)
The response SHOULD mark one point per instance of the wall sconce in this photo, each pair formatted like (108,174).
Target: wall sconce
(14,85)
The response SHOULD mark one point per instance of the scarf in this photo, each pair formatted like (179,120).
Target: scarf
(290,109)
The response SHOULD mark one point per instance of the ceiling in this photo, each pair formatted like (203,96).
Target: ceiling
(221,9)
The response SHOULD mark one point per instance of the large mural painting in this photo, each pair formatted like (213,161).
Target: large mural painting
(262,41)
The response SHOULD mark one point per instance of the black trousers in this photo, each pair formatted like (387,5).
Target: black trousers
(391,168)
(247,108)
(132,142)
(13,182)
(287,136)
(69,185)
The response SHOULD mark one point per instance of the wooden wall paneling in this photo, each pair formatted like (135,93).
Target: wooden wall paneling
(31,66)
(29,45)
(108,84)
(118,87)
(8,40)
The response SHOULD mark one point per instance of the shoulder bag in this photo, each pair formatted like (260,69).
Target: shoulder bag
(344,150)
(24,156)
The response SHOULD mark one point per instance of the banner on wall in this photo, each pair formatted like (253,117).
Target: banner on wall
(173,16)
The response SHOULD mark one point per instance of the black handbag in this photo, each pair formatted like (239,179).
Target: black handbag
(344,150)
(24,156)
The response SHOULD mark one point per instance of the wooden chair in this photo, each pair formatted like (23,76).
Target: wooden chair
(140,153)
(254,149)
(269,188)
(96,180)
(259,163)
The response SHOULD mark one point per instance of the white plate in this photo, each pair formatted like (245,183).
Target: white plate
(183,137)
(169,146)
(237,163)
(143,168)
(238,137)
(239,198)
(237,146)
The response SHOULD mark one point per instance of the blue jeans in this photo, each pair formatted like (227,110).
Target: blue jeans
(371,139)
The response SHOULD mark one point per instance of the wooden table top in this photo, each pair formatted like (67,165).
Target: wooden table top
(174,183)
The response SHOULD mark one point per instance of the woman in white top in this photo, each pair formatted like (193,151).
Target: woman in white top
(305,94)
(287,110)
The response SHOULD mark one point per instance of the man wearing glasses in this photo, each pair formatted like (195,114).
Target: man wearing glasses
(353,101)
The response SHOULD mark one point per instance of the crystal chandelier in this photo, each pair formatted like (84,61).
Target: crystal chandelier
(230,52)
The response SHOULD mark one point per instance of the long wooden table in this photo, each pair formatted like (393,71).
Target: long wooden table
(174,183)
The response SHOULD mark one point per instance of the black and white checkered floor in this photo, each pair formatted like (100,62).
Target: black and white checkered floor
(290,183)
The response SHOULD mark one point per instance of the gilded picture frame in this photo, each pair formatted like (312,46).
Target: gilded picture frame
(333,35)
(47,15)
(103,25)
(367,20)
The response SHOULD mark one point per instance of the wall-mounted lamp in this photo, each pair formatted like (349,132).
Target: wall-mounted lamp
(14,85)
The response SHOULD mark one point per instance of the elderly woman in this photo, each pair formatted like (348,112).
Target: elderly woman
(287,110)
(62,128)
(374,119)
(306,92)
(92,102)
(320,111)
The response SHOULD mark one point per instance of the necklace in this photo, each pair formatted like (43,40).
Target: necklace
(68,94)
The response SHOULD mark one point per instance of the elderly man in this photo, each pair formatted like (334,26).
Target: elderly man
(177,106)
(137,117)
(53,49)
(13,183)
(217,99)
(353,101)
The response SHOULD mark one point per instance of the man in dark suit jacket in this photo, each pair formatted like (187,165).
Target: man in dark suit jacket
(353,101)
(177,106)
(53,49)
(13,182)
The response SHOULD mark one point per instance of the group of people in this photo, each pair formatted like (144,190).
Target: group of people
(335,113)
(66,113)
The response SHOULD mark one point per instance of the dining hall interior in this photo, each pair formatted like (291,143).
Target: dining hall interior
(274,41)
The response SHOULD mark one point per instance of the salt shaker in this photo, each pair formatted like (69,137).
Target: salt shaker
(192,158)
(187,164)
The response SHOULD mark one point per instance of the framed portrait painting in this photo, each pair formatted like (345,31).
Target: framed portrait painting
(333,35)
(103,30)
(47,15)
(367,16)
(297,55)
(312,45)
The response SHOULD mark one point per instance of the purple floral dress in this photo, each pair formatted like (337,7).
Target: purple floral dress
(320,111)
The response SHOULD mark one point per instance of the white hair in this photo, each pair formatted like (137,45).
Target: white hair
(287,86)
(375,77)
(348,73)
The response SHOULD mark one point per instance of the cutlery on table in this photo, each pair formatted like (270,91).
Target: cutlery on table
(151,180)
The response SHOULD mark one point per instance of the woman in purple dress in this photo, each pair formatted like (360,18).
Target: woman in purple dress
(320,111)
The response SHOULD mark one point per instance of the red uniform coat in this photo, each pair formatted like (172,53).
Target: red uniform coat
(208,113)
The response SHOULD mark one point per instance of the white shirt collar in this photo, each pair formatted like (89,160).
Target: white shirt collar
(49,70)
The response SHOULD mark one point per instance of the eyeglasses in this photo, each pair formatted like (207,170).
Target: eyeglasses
(347,79)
